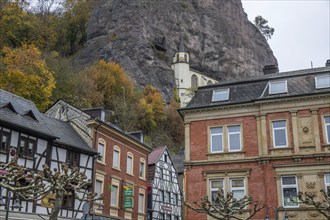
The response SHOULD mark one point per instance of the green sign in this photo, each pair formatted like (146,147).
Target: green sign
(128,196)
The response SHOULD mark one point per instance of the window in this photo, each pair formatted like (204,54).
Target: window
(167,197)
(114,193)
(327,182)
(220,95)
(167,217)
(141,203)
(289,191)
(175,199)
(209,82)
(72,158)
(68,199)
(278,87)
(116,158)
(161,175)
(100,150)
(161,216)
(129,164)
(215,185)
(234,138)
(237,187)
(216,139)
(279,134)
(322,81)
(5,139)
(225,139)
(142,168)
(98,187)
(194,81)
(327,128)
(161,196)
(27,145)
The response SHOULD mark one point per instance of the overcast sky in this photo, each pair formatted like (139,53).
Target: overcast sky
(302,30)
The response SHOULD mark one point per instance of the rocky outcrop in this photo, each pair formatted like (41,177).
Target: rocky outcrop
(142,35)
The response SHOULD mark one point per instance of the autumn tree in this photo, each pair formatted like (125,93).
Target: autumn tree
(73,25)
(262,25)
(36,185)
(15,24)
(226,206)
(26,74)
(152,108)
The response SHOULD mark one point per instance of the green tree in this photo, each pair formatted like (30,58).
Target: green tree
(262,26)
(26,74)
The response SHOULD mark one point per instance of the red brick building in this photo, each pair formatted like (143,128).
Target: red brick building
(267,136)
(121,165)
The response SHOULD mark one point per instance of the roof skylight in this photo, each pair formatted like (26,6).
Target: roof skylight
(220,95)
(278,87)
(322,81)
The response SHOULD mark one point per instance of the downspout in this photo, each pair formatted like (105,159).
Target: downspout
(94,157)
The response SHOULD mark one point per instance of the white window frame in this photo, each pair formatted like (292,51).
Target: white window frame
(281,128)
(102,154)
(327,183)
(116,149)
(167,197)
(129,166)
(326,126)
(289,186)
(283,83)
(232,189)
(141,205)
(215,189)
(114,183)
(324,78)
(143,172)
(217,134)
(233,133)
(220,92)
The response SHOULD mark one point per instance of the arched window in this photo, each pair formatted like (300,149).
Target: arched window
(101,150)
(209,82)
(116,158)
(142,171)
(129,163)
(194,81)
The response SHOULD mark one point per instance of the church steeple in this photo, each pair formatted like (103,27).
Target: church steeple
(181,45)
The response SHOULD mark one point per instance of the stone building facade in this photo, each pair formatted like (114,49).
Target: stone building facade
(267,136)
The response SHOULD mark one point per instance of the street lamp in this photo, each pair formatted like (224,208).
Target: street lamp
(276,212)
(15,205)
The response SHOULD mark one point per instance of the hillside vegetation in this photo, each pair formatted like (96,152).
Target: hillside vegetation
(36,47)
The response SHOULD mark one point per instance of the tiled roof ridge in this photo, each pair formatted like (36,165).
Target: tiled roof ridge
(17,97)
(267,77)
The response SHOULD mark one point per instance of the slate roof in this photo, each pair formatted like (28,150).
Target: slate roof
(178,161)
(22,114)
(254,89)
(155,155)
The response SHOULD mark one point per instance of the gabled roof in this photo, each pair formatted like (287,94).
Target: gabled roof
(155,155)
(254,89)
(22,114)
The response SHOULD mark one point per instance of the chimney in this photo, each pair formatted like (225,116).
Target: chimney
(327,63)
(269,69)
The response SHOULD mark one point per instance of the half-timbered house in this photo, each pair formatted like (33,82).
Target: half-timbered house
(164,195)
(39,139)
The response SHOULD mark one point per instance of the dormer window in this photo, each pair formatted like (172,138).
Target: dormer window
(322,82)
(220,95)
(278,87)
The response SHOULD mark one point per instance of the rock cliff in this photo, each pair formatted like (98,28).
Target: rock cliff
(142,35)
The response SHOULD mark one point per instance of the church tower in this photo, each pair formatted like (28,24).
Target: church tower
(181,68)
